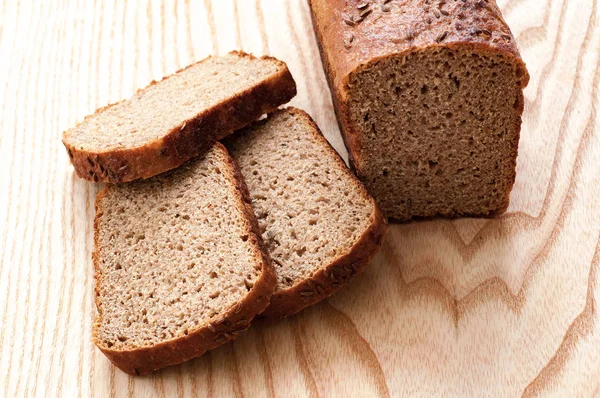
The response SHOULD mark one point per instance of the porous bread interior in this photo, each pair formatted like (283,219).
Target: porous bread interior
(310,210)
(158,109)
(174,252)
(440,130)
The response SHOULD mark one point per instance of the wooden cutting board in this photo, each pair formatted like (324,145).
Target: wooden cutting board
(448,308)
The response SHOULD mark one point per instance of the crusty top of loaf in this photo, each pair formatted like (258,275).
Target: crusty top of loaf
(311,210)
(155,111)
(173,253)
(350,41)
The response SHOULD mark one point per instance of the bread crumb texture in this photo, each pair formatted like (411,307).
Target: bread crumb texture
(309,207)
(439,131)
(161,107)
(173,253)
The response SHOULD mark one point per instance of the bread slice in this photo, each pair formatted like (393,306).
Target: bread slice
(179,264)
(429,98)
(319,224)
(175,119)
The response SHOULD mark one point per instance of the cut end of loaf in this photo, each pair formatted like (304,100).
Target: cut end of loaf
(436,131)
(174,255)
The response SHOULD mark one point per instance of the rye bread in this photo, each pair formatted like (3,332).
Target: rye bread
(179,264)
(429,98)
(177,118)
(319,224)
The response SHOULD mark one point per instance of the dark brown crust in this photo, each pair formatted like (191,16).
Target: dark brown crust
(222,328)
(330,277)
(475,25)
(187,140)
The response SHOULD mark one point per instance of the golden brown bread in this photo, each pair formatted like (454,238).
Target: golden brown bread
(421,88)
(408,25)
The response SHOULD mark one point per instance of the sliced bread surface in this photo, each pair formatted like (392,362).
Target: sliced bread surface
(175,119)
(179,264)
(319,224)
(429,98)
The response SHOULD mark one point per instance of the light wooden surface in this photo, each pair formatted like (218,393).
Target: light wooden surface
(448,308)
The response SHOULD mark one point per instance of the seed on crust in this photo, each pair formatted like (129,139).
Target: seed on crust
(348,39)
(220,340)
(363,4)
(365,12)
(441,37)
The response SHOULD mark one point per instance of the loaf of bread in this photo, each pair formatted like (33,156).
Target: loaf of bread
(179,264)
(175,119)
(319,224)
(429,98)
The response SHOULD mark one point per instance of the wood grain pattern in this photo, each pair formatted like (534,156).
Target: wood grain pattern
(499,307)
